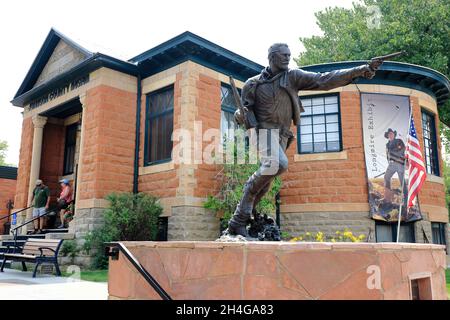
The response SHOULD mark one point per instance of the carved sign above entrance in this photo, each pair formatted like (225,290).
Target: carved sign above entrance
(60,91)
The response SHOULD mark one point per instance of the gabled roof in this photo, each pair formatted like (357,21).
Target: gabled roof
(189,46)
(44,54)
(186,46)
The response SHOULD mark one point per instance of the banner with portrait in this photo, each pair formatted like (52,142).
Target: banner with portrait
(385,128)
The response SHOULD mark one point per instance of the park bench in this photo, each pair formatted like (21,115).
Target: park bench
(36,251)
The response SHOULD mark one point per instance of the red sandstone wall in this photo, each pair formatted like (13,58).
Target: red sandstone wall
(52,157)
(287,271)
(109,138)
(160,184)
(7,192)
(333,181)
(23,173)
(209,112)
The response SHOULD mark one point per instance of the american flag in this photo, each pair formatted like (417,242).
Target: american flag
(416,170)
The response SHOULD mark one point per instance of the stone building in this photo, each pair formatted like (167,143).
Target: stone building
(106,125)
(8,176)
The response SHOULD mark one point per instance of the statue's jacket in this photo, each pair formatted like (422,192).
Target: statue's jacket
(294,80)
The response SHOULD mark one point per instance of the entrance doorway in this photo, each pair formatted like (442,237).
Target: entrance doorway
(60,152)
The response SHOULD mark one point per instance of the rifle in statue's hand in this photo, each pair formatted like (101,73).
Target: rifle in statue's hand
(242,115)
(376,62)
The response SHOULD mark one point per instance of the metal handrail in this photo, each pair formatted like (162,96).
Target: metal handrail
(31,220)
(147,276)
(14,230)
(10,215)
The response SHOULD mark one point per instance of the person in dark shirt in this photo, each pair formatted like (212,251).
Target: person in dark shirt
(40,201)
(395,153)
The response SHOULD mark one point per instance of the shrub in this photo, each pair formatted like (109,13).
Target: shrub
(129,217)
(69,249)
(232,179)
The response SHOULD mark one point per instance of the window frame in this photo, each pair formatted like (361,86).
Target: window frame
(68,128)
(441,231)
(338,113)
(434,142)
(393,227)
(224,107)
(229,109)
(148,124)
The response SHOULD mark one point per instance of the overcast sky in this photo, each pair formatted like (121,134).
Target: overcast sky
(126,28)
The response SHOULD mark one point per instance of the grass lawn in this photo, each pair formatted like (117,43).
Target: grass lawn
(447,277)
(91,275)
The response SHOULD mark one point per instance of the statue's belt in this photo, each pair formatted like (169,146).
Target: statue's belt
(285,132)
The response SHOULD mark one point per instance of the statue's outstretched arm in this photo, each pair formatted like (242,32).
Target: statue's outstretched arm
(306,80)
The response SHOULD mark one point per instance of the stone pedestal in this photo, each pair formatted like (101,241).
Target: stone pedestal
(281,270)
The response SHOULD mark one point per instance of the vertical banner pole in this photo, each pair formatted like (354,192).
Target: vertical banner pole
(403,182)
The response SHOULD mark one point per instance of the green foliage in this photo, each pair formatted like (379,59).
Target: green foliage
(3,150)
(69,249)
(422,28)
(129,217)
(286,235)
(232,179)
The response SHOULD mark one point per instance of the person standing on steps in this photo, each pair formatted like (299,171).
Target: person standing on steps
(40,201)
(65,198)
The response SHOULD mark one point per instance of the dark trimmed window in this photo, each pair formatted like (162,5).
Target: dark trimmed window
(438,232)
(159,126)
(69,148)
(387,232)
(228,107)
(430,143)
(320,125)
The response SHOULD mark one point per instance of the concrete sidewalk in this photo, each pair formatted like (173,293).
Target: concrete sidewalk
(18,285)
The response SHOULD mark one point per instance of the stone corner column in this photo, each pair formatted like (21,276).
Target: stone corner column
(73,223)
(38,132)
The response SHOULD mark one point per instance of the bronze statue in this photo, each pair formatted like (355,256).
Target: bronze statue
(272,99)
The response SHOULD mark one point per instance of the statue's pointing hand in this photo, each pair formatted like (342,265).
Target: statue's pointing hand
(371,68)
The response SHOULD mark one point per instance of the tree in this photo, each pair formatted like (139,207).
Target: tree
(3,150)
(422,28)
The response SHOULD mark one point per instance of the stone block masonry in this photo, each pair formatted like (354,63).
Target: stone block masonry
(281,271)
(108,147)
(192,223)
(358,223)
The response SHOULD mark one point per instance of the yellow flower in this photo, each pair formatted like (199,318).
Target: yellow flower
(338,232)
(308,234)
(333,240)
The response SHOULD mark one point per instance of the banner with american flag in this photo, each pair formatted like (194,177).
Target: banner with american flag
(386,127)
(416,167)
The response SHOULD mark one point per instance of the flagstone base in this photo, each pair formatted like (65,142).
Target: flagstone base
(281,270)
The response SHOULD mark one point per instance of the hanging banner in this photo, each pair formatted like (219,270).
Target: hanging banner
(385,129)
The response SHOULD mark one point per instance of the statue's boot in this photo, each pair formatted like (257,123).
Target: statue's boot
(241,218)
(238,223)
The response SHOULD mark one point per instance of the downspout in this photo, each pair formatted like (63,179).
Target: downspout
(138,135)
